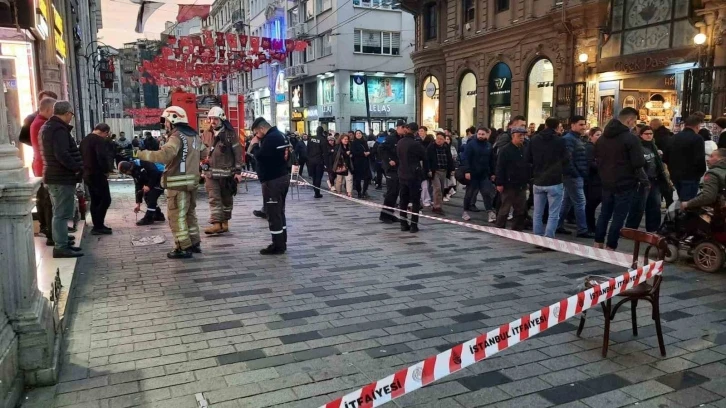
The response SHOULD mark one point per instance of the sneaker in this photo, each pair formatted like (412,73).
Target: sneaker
(452,192)
(179,253)
(427,205)
(474,209)
(465,216)
(447,199)
(259,214)
(510,216)
(563,231)
(272,250)
(413,229)
(66,253)
(492,216)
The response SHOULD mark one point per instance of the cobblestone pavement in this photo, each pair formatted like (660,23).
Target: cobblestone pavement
(354,300)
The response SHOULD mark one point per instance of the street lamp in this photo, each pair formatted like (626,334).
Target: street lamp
(583,57)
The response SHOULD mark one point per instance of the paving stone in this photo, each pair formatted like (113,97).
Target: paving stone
(681,380)
(240,356)
(299,314)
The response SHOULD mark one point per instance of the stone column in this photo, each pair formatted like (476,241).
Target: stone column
(29,313)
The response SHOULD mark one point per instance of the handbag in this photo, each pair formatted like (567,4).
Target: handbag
(340,167)
(460,175)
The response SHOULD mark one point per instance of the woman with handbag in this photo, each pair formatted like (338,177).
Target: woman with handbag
(361,164)
(328,157)
(343,166)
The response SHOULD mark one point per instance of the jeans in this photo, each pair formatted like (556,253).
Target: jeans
(476,186)
(574,194)
(64,199)
(594,197)
(100,193)
(425,196)
(648,202)
(687,189)
(551,195)
(615,206)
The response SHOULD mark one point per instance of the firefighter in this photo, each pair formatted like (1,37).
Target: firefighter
(226,160)
(147,179)
(180,156)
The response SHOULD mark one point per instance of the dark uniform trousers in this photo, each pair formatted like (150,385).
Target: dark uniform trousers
(220,199)
(182,207)
(410,193)
(513,197)
(100,193)
(316,171)
(391,196)
(152,198)
(273,195)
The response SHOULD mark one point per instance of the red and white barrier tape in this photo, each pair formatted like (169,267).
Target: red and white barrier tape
(507,335)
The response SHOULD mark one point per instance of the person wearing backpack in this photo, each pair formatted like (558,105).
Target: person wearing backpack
(147,181)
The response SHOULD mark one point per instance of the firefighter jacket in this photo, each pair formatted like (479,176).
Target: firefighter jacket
(180,155)
(227,154)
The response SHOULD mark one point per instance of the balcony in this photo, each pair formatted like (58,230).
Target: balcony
(296,71)
(297,30)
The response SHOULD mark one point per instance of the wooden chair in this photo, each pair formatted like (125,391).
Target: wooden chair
(649,292)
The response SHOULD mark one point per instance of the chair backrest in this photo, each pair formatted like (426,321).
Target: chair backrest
(639,237)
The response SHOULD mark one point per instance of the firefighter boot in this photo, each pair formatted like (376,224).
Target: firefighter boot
(216,228)
(225,226)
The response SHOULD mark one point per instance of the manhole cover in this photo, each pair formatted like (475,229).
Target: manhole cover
(145,241)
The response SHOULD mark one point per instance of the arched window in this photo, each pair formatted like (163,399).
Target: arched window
(430,103)
(540,91)
(467,101)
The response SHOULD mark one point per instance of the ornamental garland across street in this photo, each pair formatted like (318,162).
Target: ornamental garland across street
(348,204)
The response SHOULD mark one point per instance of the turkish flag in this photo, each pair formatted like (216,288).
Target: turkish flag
(189,11)
(220,40)
(266,43)
(300,45)
(172,40)
(231,41)
(242,41)
(208,38)
(254,44)
(289,45)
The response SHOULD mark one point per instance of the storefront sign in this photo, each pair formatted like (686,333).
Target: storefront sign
(652,62)
(500,85)
(60,44)
(430,89)
(381,109)
(41,19)
(297,115)
(312,113)
(326,110)
(380,90)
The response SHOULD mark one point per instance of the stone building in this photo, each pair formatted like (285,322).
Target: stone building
(478,62)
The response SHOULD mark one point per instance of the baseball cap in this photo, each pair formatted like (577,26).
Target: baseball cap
(518,130)
(401,122)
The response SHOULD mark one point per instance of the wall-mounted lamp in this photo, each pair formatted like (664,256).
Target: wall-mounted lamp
(583,57)
(700,39)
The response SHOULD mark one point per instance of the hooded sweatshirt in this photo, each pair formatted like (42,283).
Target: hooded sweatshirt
(619,157)
(547,155)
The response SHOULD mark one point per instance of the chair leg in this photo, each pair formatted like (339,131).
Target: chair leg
(583,316)
(633,306)
(658,330)
(606,306)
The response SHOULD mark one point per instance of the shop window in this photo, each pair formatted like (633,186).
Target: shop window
(502,5)
(430,21)
(639,26)
(376,42)
(430,103)
(467,101)
(540,91)
(469,10)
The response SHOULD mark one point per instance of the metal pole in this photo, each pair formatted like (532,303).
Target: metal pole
(368,104)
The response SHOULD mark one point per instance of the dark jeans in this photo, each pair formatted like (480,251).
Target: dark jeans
(648,202)
(687,189)
(391,196)
(63,197)
(410,193)
(615,206)
(513,197)
(476,186)
(44,208)
(379,174)
(593,200)
(316,170)
(301,163)
(100,198)
(273,194)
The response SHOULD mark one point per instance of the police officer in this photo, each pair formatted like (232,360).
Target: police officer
(226,160)
(273,174)
(316,147)
(180,155)
(147,179)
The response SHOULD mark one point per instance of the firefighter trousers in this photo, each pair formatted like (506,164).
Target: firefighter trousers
(182,215)
(274,193)
(220,199)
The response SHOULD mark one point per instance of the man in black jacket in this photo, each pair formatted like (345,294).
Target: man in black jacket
(478,158)
(512,176)
(389,162)
(548,157)
(150,142)
(686,158)
(411,171)
(441,167)
(662,136)
(620,162)
(272,173)
(147,183)
(593,185)
(97,163)
(316,164)
(574,178)
(24,136)
(63,168)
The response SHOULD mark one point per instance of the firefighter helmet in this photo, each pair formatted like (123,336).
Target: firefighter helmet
(175,115)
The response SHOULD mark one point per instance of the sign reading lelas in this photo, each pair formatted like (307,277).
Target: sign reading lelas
(60,43)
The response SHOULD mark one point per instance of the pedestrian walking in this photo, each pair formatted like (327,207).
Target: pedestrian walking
(360,153)
(573,179)
(593,185)
(43,203)
(478,162)
(328,158)
(343,166)
(272,173)
(390,162)
(62,170)
(441,167)
(97,165)
(180,156)
(512,176)
(547,155)
(620,162)
(685,158)
(226,160)
(411,171)
(316,150)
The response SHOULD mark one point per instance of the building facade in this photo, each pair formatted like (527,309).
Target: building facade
(136,94)
(113,97)
(350,44)
(480,63)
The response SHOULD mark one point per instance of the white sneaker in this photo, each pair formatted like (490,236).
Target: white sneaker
(427,205)
(465,216)
(492,216)
(453,191)
(447,199)
(510,216)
